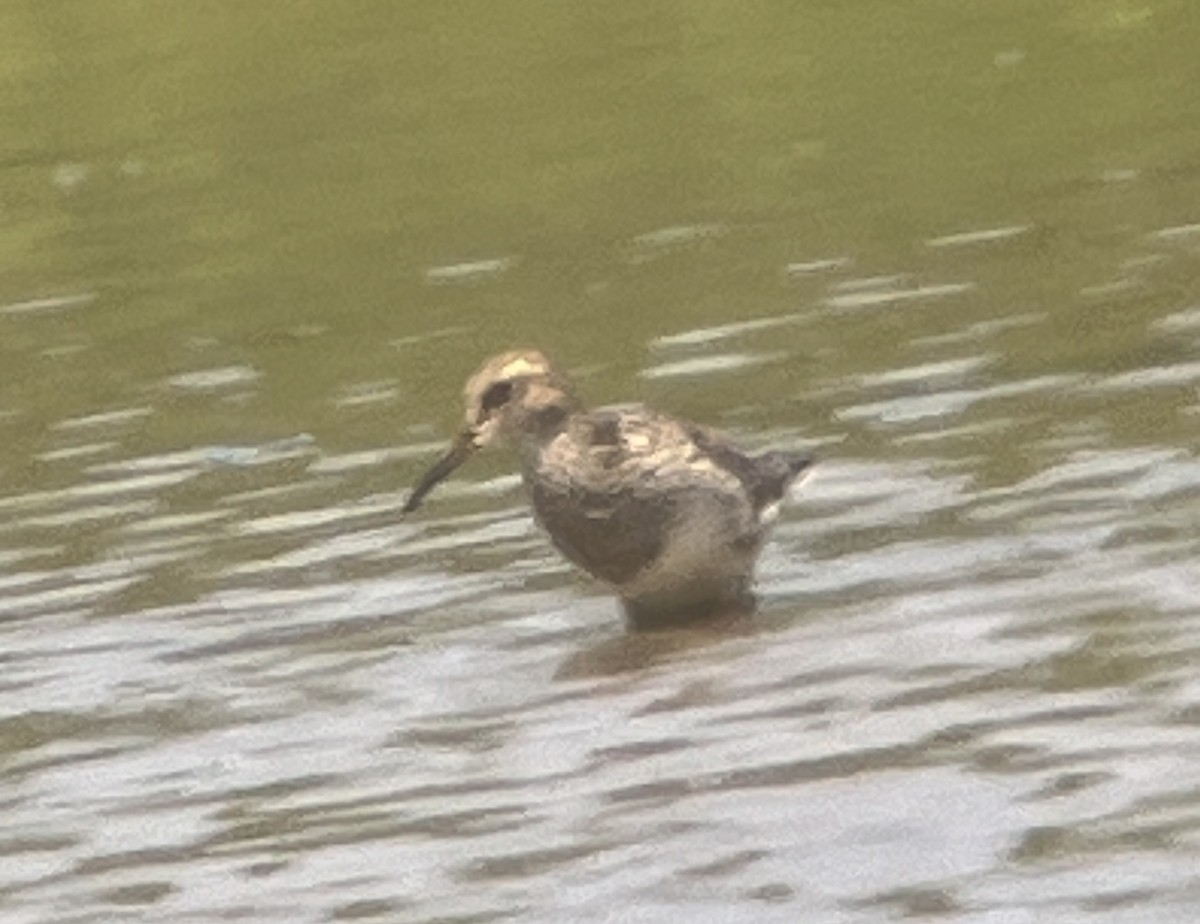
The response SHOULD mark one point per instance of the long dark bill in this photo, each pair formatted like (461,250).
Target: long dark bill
(458,453)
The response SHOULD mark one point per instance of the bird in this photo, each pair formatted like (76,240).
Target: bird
(669,514)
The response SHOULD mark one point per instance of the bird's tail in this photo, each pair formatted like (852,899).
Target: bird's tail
(798,463)
(777,472)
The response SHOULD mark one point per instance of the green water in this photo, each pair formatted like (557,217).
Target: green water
(250,251)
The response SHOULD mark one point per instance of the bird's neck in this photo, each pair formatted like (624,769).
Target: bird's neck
(541,424)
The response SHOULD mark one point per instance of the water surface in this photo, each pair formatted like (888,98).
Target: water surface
(955,251)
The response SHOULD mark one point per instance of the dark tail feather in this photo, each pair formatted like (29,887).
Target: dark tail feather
(797,462)
(777,470)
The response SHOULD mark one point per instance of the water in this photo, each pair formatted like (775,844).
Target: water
(251,260)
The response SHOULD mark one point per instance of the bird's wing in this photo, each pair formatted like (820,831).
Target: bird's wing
(606,491)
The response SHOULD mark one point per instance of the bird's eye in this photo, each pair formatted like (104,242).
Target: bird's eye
(496,396)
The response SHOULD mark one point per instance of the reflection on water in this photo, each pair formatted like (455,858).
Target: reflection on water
(237,684)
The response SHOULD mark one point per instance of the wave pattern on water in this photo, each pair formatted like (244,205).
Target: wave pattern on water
(238,684)
(955,686)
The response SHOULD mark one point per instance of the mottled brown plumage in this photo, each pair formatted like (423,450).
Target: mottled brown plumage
(669,514)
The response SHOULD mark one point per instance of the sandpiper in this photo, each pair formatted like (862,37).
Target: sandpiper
(669,514)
